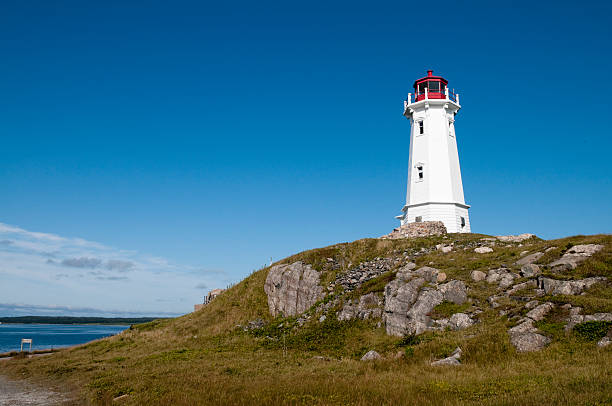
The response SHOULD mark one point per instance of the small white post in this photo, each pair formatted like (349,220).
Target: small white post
(26,341)
(409,98)
(426,94)
(446,92)
(457,98)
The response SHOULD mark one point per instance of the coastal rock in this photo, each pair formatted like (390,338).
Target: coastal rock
(399,297)
(529,270)
(478,276)
(417,318)
(483,250)
(414,230)
(453,359)
(459,321)
(529,341)
(292,289)
(530,259)
(515,238)
(501,276)
(604,342)
(574,256)
(540,311)
(454,291)
(368,306)
(371,356)
(561,287)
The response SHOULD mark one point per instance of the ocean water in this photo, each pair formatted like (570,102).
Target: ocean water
(52,335)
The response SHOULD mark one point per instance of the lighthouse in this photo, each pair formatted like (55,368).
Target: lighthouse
(435,190)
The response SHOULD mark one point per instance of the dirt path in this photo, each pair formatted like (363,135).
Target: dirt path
(14,393)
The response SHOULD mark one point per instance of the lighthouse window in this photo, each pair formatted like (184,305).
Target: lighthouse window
(421,127)
(434,86)
(420,175)
(462,221)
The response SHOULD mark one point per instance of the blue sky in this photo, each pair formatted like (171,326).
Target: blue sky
(194,141)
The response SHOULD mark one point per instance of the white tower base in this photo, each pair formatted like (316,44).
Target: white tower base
(454,215)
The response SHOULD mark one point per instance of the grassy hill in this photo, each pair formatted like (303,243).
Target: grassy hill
(209,357)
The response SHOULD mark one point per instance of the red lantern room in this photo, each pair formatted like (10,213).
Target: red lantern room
(431,87)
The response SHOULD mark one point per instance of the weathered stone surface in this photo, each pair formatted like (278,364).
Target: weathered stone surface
(604,342)
(574,256)
(454,291)
(501,276)
(520,286)
(441,277)
(529,270)
(530,259)
(483,250)
(292,289)
(414,230)
(561,287)
(515,238)
(371,356)
(428,273)
(399,297)
(418,319)
(577,318)
(365,271)
(478,276)
(368,306)
(459,321)
(525,342)
(540,311)
(453,359)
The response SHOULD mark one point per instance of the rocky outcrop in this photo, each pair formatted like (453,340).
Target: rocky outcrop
(453,359)
(530,259)
(529,270)
(478,276)
(561,287)
(365,271)
(574,256)
(578,318)
(525,337)
(502,277)
(408,303)
(483,250)
(292,289)
(515,238)
(366,307)
(414,230)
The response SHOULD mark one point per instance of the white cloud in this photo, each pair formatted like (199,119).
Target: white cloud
(45,269)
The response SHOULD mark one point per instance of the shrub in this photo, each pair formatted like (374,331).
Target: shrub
(592,330)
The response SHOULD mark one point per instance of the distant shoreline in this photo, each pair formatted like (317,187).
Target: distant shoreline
(117,321)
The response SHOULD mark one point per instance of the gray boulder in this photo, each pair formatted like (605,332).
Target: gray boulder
(515,238)
(292,289)
(459,321)
(453,359)
(371,356)
(530,259)
(540,311)
(428,273)
(417,318)
(529,341)
(483,250)
(561,287)
(529,270)
(501,276)
(399,297)
(574,256)
(478,276)
(604,342)
(454,291)
(366,307)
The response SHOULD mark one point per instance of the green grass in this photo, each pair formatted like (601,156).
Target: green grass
(204,358)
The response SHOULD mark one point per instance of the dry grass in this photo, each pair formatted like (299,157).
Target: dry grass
(202,358)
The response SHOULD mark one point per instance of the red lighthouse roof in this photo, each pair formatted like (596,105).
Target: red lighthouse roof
(434,86)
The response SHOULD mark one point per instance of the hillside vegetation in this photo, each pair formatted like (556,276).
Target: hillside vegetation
(234,352)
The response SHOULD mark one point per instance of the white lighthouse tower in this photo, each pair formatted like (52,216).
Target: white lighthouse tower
(435,190)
